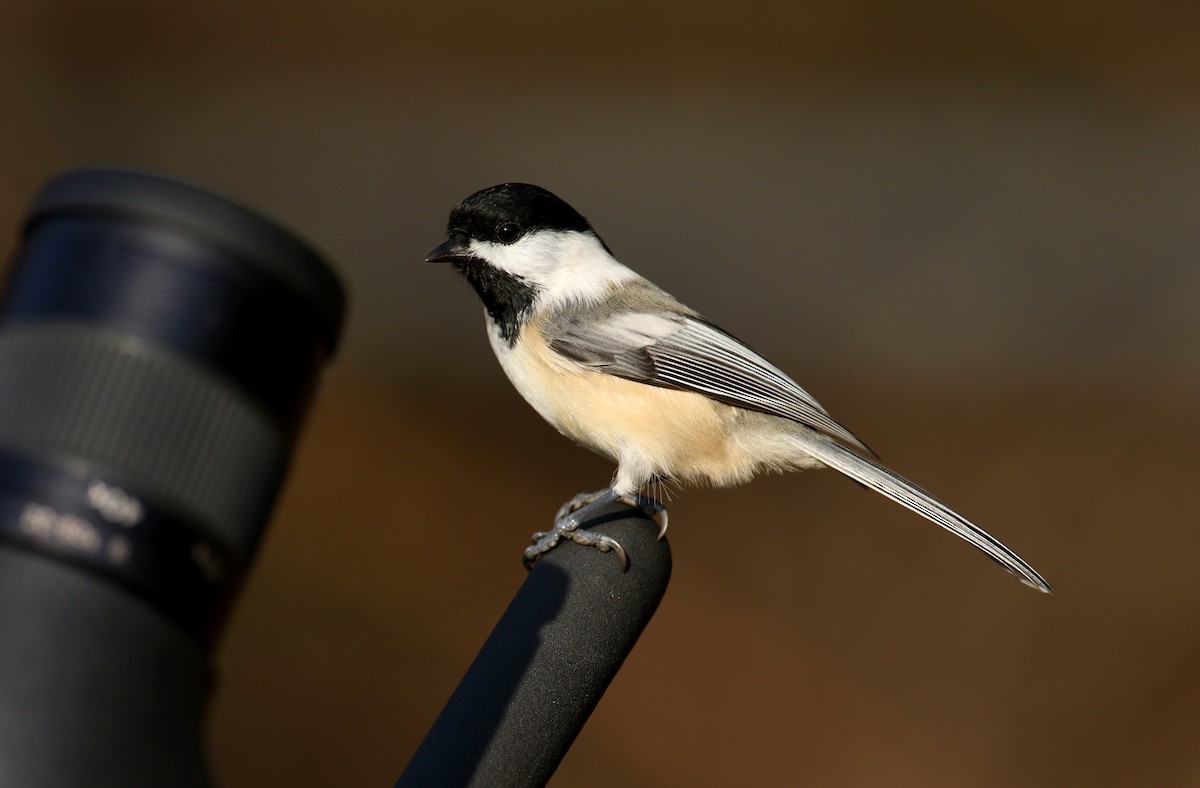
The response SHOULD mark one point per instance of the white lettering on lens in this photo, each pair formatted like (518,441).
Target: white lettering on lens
(118,549)
(114,504)
(65,530)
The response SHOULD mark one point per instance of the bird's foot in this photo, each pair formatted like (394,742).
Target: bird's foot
(545,541)
(571,516)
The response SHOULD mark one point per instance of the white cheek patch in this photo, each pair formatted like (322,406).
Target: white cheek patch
(531,258)
(563,266)
(586,272)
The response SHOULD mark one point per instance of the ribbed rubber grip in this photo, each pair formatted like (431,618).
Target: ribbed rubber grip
(173,429)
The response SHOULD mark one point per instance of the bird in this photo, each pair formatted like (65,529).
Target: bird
(623,368)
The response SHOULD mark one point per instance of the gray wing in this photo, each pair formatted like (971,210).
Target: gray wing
(683,351)
(650,342)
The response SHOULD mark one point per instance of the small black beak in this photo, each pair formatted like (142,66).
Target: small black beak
(454,249)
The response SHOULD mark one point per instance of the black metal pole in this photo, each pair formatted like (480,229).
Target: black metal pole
(547,663)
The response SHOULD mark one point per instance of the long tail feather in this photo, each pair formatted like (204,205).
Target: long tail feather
(905,493)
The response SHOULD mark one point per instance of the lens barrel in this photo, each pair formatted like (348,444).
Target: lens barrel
(159,346)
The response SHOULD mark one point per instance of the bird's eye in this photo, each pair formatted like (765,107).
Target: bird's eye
(508,232)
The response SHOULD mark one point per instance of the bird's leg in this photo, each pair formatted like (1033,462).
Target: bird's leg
(570,516)
(575,512)
(651,506)
(578,502)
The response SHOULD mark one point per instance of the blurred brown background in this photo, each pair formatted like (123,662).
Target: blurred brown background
(970,228)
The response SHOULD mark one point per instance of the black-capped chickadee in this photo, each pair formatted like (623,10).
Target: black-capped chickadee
(626,370)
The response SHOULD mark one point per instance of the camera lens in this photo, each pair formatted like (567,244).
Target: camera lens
(159,346)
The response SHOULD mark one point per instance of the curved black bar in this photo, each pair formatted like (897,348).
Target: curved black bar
(547,663)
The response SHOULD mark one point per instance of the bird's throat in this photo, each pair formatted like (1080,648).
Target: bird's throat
(508,299)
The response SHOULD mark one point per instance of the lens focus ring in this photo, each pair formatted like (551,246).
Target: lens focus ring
(174,430)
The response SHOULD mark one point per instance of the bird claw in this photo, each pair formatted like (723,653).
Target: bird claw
(655,510)
(545,541)
(571,515)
